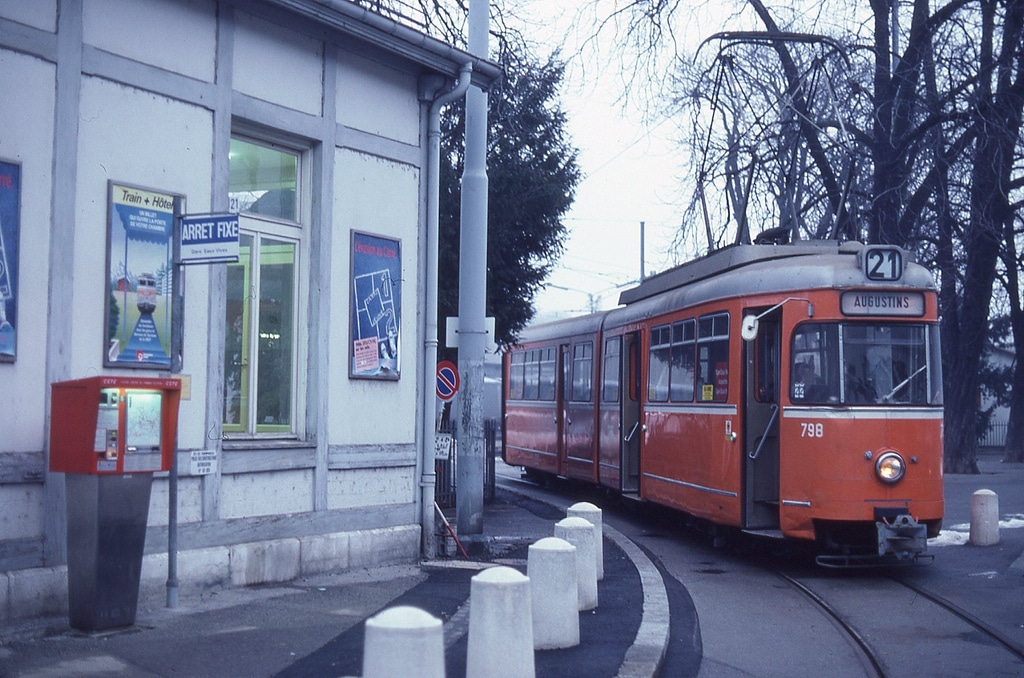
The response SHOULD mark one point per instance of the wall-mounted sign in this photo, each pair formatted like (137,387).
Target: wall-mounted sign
(140,277)
(208,239)
(376,306)
(203,462)
(10,224)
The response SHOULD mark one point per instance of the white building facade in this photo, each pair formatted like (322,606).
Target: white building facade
(300,444)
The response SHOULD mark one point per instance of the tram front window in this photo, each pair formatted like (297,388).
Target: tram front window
(860,363)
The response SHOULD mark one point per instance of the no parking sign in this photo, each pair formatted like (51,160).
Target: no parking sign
(447,380)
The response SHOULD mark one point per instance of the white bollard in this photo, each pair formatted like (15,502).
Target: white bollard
(591,514)
(551,567)
(580,533)
(500,625)
(403,641)
(984,518)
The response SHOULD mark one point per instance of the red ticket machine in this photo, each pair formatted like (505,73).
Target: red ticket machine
(108,435)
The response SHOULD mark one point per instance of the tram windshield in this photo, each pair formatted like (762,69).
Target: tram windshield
(865,363)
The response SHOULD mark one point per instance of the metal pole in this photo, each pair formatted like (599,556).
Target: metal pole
(177,351)
(642,274)
(428,477)
(473,291)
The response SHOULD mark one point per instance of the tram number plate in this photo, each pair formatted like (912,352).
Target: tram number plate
(883,263)
(812,430)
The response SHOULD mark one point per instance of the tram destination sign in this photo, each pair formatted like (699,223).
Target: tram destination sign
(208,238)
(877,303)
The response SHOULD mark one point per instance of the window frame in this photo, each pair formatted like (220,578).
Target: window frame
(713,338)
(611,371)
(582,390)
(297,233)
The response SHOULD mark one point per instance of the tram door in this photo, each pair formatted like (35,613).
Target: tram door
(562,417)
(630,414)
(761,431)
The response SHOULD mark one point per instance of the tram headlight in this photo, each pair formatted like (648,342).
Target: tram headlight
(890,467)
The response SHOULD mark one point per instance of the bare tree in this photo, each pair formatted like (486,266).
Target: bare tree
(1013,262)
(869,128)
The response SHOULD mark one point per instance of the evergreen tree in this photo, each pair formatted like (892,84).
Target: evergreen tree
(532,177)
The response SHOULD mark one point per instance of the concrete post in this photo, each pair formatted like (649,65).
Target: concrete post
(403,641)
(591,514)
(580,534)
(551,567)
(469,502)
(984,518)
(500,625)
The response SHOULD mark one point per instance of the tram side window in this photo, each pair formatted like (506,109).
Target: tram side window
(582,371)
(682,373)
(611,370)
(531,384)
(713,358)
(517,363)
(658,369)
(546,387)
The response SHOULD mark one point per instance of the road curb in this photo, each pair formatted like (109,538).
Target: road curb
(647,652)
(644,657)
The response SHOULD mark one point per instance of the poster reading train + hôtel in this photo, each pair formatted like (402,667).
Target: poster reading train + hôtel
(139,277)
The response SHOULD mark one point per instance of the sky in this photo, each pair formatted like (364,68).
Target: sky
(631,175)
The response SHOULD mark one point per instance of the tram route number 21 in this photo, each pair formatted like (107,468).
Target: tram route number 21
(812,430)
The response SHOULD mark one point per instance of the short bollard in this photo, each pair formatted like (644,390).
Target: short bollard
(551,567)
(500,625)
(580,533)
(984,518)
(591,514)
(403,641)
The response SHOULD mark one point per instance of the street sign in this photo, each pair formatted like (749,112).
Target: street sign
(447,380)
(209,238)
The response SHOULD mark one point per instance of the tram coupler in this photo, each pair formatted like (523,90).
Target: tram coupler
(902,537)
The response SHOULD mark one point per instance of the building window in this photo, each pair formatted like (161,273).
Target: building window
(262,320)
(264,180)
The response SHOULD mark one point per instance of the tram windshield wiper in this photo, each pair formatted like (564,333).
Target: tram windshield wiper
(887,398)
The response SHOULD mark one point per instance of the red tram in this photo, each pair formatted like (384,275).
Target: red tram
(792,390)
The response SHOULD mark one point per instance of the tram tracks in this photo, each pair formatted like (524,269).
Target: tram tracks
(980,625)
(862,646)
(895,635)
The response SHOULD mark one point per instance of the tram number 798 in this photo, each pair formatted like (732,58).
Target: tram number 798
(812,430)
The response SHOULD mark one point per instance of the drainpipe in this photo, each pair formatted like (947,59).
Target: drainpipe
(429,404)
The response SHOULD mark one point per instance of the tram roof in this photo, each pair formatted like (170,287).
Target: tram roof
(731,272)
(756,269)
(564,327)
(731,258)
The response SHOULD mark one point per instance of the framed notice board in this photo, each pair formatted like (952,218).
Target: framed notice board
(376,307)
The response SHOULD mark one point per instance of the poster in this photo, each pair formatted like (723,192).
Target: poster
(140,270)
(376,307)
(10,223)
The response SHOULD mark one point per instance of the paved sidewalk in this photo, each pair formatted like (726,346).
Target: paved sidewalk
(314,627)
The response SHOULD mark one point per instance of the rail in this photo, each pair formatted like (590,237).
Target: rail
(767,430)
